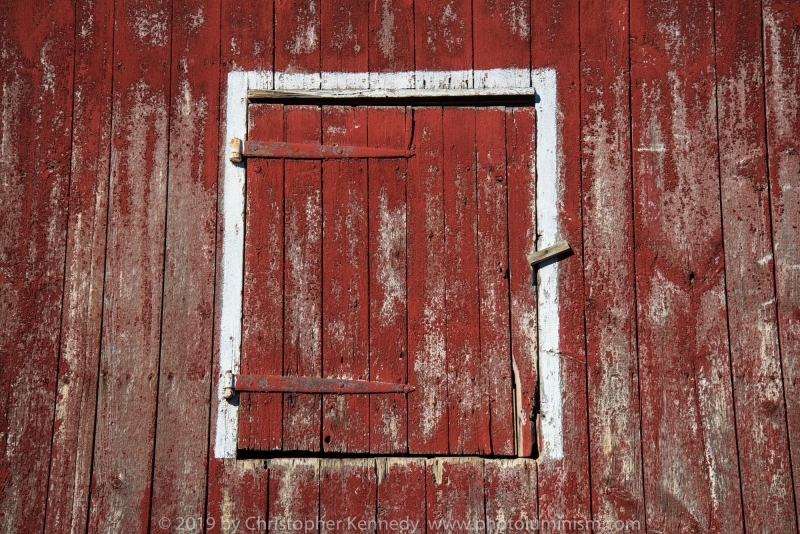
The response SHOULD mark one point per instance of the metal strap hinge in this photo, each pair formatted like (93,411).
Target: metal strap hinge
(303,384)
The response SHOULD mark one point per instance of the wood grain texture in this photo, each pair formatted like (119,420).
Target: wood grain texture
(510,487)
(344,45)
(521,172)
(427,406)
(36,130)
(502,34)
(345,284)
(261,414)
(688,434)
(455,495)
(388,346)
(493,273)
(401,495)
(236,488)
(73,429)
(564,483)
(237,492)
(131,342)
(391,36)
(609,282)
(467,377)
(764,461)
(782,85)
(443,42)
(297,49)
(302,299)
(294,495)
(347,495)
(181,448)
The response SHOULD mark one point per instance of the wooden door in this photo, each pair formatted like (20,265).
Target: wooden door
(394,266)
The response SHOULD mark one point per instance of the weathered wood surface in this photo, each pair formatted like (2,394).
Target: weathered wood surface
(36,72)
(782,85)
(691,477)
(185,384)
(261,415)
(388,335)
(608,241)
(564,478)
(302,297)
(696,173)
(758,390)
(427,409)
(122,475)
(74,425)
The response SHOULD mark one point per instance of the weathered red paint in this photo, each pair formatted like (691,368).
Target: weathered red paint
(261,416)
(302,298)
(306,151)
(138,309)
(691,479)
(388,297)
(609,283)
(758,391)
(564,484)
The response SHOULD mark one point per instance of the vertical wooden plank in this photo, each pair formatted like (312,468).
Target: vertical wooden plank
(345,283)
(521,171)
(388,349)
(502,40)
(261,414)
(294,495)
(37,80)
(510,496)
(401,495)
(238,493)
(181,452)
(345,36)
(391,43)
(247,35)
(297,49)
(131,342)
(467,380)
(347,495)
(764,460)
(443,39)
(782,79)
(303,280)
(688,435)
(493,273)
(427,405)
(454,493)
(609,283)
(246,44)
(73,428)
(564,471)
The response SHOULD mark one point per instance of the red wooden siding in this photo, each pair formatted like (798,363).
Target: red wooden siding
(362,266)
(679,309)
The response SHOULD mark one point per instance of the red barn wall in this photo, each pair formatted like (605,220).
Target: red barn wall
(680,309)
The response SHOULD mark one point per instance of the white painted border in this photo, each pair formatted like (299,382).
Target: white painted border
(548,180)
(548,184)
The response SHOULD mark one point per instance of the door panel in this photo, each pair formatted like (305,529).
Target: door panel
(390,269)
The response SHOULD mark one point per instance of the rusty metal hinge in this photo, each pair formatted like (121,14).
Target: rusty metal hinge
(303,384)
(258,149)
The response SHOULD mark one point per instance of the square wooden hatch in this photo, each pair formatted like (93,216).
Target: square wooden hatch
(386,244)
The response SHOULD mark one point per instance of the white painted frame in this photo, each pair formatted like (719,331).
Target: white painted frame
(549,184)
